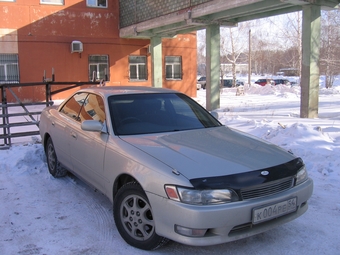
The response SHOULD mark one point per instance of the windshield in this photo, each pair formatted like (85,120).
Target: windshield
(154,113)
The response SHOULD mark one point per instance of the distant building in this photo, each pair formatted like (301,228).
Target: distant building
(240,68)
(289,71)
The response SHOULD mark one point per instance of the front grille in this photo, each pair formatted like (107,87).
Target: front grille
(267,189)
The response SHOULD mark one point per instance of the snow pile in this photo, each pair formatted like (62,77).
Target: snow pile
(43,215)
(278,90)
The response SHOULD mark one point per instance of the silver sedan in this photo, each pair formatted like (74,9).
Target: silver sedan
(171,169)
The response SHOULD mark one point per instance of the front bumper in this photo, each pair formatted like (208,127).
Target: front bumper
(224,223)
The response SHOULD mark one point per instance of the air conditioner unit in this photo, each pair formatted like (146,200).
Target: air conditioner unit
(76,46)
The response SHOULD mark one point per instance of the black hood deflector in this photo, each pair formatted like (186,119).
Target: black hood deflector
(249,179)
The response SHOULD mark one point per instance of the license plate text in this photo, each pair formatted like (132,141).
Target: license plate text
(273,211)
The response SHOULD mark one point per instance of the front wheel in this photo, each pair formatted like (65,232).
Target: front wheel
(134,219)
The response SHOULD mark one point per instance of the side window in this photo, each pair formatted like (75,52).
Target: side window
(93,109)
(73,106)
(173,68)
(98,67)
(137,68)
(9,70)
(97,3)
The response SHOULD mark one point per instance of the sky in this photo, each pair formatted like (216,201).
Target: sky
(43,215)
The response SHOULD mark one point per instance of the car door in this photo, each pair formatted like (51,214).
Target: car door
(88,148)
(61,122)
(56,129)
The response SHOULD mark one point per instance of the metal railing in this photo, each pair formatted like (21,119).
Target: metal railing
(9,114)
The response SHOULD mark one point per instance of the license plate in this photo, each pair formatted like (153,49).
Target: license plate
(273,211)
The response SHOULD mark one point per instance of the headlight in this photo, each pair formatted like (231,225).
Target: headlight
(301,176)
(201,197)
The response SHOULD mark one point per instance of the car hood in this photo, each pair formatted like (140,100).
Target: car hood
(210,152)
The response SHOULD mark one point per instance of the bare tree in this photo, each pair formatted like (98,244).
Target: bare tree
(234,44)
(330,56)
(288,36)
(201,58)
(276,43)
(263,47)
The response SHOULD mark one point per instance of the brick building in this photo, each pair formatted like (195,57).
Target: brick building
(79,40)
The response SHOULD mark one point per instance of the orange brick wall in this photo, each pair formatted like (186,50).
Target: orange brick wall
(44,36)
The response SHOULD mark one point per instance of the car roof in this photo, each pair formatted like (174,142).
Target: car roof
(120,90)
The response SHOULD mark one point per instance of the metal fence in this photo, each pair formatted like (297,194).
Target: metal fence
(20,119)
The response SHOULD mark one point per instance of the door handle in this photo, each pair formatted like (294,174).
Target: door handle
(74,135)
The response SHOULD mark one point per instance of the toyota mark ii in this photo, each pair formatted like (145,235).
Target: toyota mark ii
(170,168)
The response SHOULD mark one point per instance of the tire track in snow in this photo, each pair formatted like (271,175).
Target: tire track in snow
(98,209)
(45,211)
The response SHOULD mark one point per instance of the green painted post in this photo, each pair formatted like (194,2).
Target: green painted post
(156,61)
(213,67)
(310,61)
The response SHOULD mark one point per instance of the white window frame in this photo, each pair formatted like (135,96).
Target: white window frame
(173,63)
(7,0)
(101,66)
(138,66)
(54,2)
(96,3)
(5,69)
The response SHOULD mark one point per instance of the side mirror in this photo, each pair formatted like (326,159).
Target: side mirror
(92,125)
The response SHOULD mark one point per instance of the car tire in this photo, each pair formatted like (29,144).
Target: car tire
(54,166)
(134,219)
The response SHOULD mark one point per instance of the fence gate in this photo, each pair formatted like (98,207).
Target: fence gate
(19,119)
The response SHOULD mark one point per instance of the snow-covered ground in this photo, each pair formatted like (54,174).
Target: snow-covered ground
(43,215)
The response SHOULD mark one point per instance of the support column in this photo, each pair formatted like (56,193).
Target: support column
(310,61)
(156,62)
(213,67)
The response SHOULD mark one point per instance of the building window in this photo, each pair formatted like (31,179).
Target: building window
(59,2)
(98,67)
(173,68)
(7,0)
(137,66)
(97,3)
(9,70)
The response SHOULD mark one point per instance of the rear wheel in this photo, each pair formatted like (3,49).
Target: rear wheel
(54,166)
(134,219)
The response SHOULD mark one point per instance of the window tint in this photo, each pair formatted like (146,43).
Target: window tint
(155,113)
(84,106)
(73,106)
(93,109)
